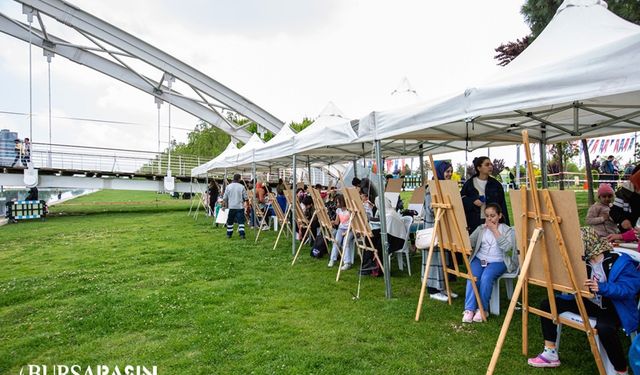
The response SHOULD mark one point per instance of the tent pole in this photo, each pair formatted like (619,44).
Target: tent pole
(293,209)
(383,224)
(309,171)
(422,176)
(255,193)
(355,168)
(543,155)
(517,183)
(587,162)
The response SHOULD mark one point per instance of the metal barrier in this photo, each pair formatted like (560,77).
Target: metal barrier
(24,210)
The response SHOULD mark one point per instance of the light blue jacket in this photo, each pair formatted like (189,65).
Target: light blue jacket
(506,244)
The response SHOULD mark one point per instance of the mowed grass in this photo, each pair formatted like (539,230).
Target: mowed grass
(146,284)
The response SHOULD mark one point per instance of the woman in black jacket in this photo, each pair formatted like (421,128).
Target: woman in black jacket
(479,190)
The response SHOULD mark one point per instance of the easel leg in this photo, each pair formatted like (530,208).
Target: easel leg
(514,300)
(426,270)
(261,225)
(279,234)
(306,233)
(344,241)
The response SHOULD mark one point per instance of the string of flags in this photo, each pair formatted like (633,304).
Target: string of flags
(611,145)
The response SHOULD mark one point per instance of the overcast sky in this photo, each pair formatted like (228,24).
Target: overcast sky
(290,57)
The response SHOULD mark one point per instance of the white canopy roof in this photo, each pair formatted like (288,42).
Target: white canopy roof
(580,78)
(317,141)
(204,168)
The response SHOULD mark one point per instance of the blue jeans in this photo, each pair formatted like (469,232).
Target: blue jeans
(486,277)
(348,250)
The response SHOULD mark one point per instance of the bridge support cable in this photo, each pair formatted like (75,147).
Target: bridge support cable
(88,24)
(209,92)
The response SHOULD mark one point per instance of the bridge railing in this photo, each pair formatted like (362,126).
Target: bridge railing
(106,160)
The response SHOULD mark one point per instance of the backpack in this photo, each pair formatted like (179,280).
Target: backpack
(319,248)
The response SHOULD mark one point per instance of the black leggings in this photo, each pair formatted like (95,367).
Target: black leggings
(395,244)
(607,324)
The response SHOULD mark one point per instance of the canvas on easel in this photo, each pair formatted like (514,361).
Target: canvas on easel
(450,228)
(304,224)
(393,189)
(359,225)
(326,226)
(301,220)
(281,217)
(548,222)
(416,203)
(264,217)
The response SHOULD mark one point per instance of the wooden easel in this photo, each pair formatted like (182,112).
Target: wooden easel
(359,225)
(264,216)
(326,227)
(450,230)
(247,217)
(281,217)
(538,268)
(301,222)
(201,197)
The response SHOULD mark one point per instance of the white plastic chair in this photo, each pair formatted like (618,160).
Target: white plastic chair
(608,367)
(494,301)
(407,220)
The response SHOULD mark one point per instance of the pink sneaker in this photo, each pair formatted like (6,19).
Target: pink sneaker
(542,361)
(477,317)
(467,316)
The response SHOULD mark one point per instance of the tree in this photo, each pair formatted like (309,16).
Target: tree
(205,140)
(561,154)
(299,126)
(498,166)
(538,13)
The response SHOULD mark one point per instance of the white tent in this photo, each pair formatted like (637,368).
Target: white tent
(233,157)
(580,78)
(274,148)
(206,167)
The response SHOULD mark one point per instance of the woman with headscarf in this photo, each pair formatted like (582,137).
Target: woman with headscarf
(479,190)
(436,286)
(615,282)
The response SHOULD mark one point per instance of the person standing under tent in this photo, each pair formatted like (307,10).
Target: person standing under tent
(625,211)
(235,199)
(436,286)
(609,172)
(480,190)
(214,193)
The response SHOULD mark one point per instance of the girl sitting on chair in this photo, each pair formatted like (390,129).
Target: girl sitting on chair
(342,220)
(494,253)
(615,282)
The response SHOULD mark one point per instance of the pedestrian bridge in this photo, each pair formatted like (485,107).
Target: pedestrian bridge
(65,166)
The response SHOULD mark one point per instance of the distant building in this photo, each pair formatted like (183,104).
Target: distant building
(7,145)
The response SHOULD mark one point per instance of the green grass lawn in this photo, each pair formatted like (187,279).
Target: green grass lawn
(140,282)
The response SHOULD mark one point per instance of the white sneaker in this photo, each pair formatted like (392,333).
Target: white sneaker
(331,263)
(477,317)
(345,267)
(453,295)
(439,297)
(467,316)
(265,227)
